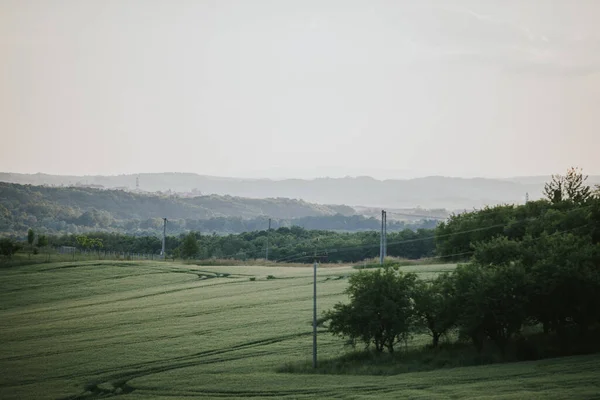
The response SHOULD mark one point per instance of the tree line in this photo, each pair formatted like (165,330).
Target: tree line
(293,244)
(531,268)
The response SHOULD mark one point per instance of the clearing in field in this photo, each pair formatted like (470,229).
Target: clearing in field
(76,330)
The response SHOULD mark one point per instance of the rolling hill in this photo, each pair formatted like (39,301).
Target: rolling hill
(428,192)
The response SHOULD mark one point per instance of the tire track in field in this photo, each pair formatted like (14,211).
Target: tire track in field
(119,378)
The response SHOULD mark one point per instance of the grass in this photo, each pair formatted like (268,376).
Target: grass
(163,330)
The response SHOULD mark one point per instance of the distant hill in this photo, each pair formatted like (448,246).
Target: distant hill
(429,192)
(76,210)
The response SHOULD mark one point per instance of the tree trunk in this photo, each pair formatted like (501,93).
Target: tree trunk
(436,339)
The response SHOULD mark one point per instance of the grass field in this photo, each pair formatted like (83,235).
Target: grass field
(94,329)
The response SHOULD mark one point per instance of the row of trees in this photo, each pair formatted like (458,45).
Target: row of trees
(288,244)
(535,266)
(568,205)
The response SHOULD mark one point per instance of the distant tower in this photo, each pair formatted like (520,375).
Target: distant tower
(137,183)
(526,198)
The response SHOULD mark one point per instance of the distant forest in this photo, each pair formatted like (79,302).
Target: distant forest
(56,210)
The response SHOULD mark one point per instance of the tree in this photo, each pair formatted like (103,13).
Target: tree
(189,247)
(569,187)
(42,241)
(30,239)
(554,189)
(90,243)
(493,302)
(8,247)
(435,306)
(380,312)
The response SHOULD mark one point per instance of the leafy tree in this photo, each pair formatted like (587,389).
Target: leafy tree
(189,247)
(90,243)
(568,187)
(554,190)
(493,303)
(380,311)
(8,247)
(565,283)
(435,306)
(42,241)
(30,239)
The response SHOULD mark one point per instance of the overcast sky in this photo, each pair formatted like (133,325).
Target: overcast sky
(392,89)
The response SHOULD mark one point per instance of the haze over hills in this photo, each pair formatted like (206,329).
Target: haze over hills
(83,209)
(428,192)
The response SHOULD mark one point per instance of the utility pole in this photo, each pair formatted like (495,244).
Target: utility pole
(381,239)
(162,252)
(268,232)
(384,235)
(315,314)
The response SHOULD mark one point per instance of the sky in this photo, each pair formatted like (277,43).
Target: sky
(302,89)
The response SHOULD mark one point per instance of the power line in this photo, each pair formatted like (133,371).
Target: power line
(473,251)
(417,215)
(433,237)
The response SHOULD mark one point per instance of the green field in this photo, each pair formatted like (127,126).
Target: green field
(165,330)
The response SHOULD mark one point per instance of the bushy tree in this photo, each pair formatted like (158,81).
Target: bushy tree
(189,247)
(8,247)
(42,241)
(381,310)
(90,243)
(435,306)
(568,187)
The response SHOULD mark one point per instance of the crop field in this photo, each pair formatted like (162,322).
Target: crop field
(163,330)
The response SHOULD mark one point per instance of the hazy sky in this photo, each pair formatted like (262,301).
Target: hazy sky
(300,88)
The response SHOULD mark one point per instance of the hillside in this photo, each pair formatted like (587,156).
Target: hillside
(65,209)
(74,210)
(428,192)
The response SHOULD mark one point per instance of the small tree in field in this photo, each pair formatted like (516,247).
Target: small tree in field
(30,239)
(189,247)
(380,311)
(90,243)
(43,243)
(8,247)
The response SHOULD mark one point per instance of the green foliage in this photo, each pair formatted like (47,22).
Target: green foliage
(435,306)
(380,311)
(92,243)
(189,247)
(30,236)
(568,187)
(8,247)
(293,244)
(78,210)
(492,302)
(531,265)
(42,241)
